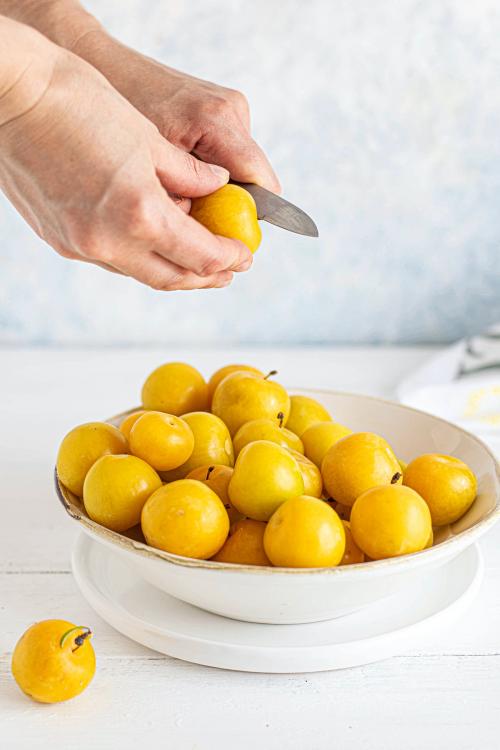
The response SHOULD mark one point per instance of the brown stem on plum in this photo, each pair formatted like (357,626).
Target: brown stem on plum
(270,374)
(397,476)
(209,471)
(281,418)
(79,640)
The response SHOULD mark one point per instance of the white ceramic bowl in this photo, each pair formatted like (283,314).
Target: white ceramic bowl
(291,595)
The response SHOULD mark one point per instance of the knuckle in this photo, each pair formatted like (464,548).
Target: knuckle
(170,284)
(136,214)
(210,265)
(82,238)
(237,99)
(219,106)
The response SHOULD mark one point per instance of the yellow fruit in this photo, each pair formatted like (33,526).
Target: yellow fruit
(357,463)
(447,485)
(390,521)
(81,448)
(266,429)
(304,533)
(212,444)
(245,544)
(244,396)
(264,476)
(352,553)
(311,475)
(163,440)
(129,421)
(115,490)
(218,478)
(223,372)
(304,412)
(231,212)
(403,465)
(430,540)
(185,518)
(343,511)
(319,438)
(53,661)
(175,388)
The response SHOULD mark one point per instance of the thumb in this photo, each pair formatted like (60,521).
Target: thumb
(181,173)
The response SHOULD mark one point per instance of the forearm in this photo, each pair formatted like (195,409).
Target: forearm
(26,64)
(64,22)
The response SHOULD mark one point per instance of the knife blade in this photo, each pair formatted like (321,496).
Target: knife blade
(278,211)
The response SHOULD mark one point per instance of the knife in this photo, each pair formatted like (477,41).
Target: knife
(278,211)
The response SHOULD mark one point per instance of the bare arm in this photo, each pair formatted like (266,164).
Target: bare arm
(93,176)
(208,120)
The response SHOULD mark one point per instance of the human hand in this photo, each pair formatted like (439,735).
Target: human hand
(210,121)
(93,177)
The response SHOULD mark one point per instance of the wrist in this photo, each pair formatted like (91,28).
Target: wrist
(30,59)
(64,22)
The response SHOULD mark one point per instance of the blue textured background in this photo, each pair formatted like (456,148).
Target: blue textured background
(382,119)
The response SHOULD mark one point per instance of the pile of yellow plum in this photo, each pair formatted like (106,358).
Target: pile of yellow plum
(236,470)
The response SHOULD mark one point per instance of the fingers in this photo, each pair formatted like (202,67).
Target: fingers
(236,150)
(188,244)
(144,234)
(161,274)
(184,175)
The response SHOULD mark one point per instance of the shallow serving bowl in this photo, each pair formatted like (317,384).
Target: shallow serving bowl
(292,595)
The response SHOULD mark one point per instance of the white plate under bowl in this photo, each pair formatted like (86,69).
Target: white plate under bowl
(155,619)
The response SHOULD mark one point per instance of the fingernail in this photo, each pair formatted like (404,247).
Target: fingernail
(219,171)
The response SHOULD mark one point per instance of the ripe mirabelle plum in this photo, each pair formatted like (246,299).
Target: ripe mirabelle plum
(357,463)
(185,518)
(81,448)
(304,533)
(389,521)
(447,485)
(175,388)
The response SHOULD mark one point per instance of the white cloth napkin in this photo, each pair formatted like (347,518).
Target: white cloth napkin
(462,384)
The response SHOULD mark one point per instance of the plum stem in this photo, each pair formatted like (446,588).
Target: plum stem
(79,640)
(209,471)
(270,374)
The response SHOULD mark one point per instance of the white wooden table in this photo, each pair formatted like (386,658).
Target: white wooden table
(446,696)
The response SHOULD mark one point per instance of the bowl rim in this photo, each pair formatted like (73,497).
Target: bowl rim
(128,544)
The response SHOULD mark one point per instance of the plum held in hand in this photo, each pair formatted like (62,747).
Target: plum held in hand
(54,661)
(231,212)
